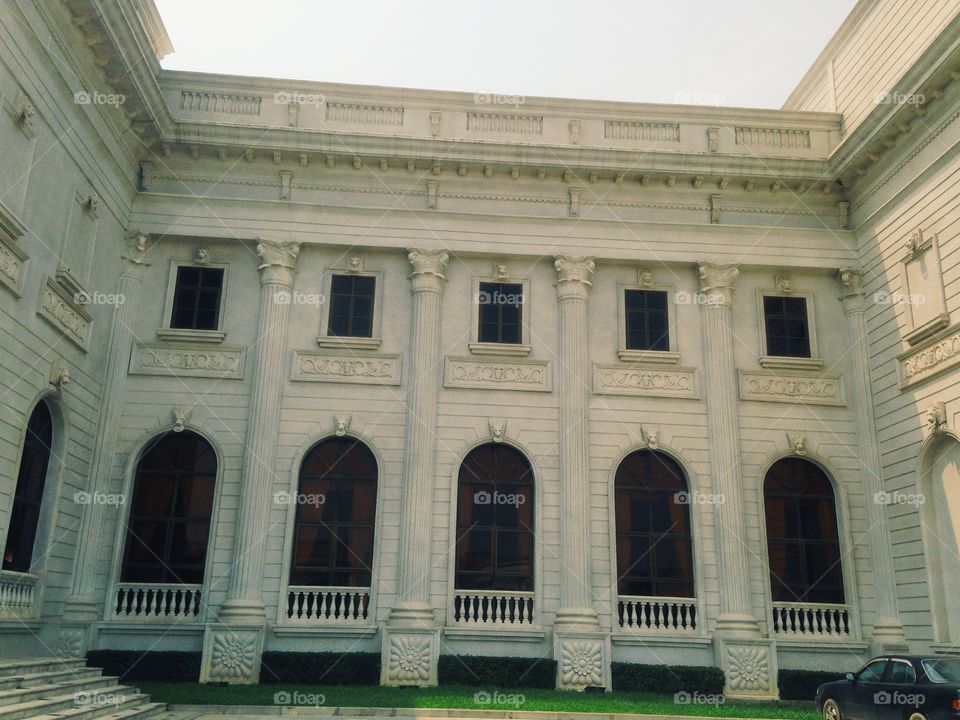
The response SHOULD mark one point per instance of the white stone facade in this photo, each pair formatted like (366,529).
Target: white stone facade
(837,199)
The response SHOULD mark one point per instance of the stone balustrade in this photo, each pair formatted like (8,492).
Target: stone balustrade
(158,602)
(658,615)
(17,594)
(335,605)
(811,620)
(497,607)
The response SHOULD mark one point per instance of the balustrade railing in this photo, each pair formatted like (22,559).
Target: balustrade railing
(495,607)
(322,605)
(17,594)
(811,620)
(157,602)
(658,615)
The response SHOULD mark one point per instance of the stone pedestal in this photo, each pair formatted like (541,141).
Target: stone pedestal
(411,638)
(78,626)
(748,660)
(581,648)
(888,635)
(233,645)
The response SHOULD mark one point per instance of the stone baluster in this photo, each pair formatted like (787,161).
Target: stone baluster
(234,644)
(411,639)
(888,636)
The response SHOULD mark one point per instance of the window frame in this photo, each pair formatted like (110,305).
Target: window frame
(324,339)
(665,357)
(787,362)
(520,349)
(167,332)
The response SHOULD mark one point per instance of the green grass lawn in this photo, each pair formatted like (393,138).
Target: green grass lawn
(463,697)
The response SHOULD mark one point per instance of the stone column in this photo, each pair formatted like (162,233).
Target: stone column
(580,647)
(411,638)
(233,645)
(80,610)
(748,660)
(888,636)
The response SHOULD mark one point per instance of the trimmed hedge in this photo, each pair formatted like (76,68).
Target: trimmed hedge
(496,672)
(663,679)
(320,668)
(153,666)
(803,684)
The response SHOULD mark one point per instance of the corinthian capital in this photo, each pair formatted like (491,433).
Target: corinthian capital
(716,282)
(427,268)
(850,280)
(277,261)
(573,276)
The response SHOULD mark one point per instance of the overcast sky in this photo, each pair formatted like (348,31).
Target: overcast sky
(747,53)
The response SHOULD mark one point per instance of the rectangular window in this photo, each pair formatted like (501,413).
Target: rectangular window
(646,319)
(501,312)
(351,306)
(196,298)
(785,322)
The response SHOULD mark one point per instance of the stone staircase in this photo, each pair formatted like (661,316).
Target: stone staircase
(56,689)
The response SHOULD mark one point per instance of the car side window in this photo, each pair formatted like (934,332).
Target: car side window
(901,672)
(872,672)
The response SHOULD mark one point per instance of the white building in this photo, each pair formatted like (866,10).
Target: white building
(307,366)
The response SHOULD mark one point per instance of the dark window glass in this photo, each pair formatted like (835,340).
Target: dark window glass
(169,525)
(872,671)
(28,496)
(495,520)
(351,306)
(196,298)
(900,672)
(646,320)
(501,311)
(654,549)
(802,537)
(785,320)
(335,511)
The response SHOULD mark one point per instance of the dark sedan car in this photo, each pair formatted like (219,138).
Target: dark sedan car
(897,687)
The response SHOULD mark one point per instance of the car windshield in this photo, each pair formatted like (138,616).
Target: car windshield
(942,670)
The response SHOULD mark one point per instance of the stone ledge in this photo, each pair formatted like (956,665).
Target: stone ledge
(532,634)
(325,630)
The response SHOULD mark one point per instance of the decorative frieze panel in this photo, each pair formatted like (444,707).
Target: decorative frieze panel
(13,263)
(194,101)
(929,358)
(187,361)
(346,368)
(811,389)
(62,310)
(505,123)
(497,374)
(654,132)
(625,379)
(772,137)
(364,114)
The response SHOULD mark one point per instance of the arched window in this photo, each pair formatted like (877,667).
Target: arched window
(495,520)
(169,526)
(28,496)
(802,538)
(336,507)
(654,549)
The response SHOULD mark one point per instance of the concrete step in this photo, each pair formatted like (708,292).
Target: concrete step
(35,666)
(93,685)
(139,712)
(29,680)
(109,700)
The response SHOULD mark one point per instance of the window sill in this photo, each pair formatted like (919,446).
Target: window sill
(203,336)
(928,329)
(508,349)
(348,343)
(494,632)
(649,357)
(790,363)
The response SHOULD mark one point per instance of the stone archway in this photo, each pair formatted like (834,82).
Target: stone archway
(940,519)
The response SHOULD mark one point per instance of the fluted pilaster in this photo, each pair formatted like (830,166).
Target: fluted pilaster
(232,648)
(411,640)
(888,635)
(80,607)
